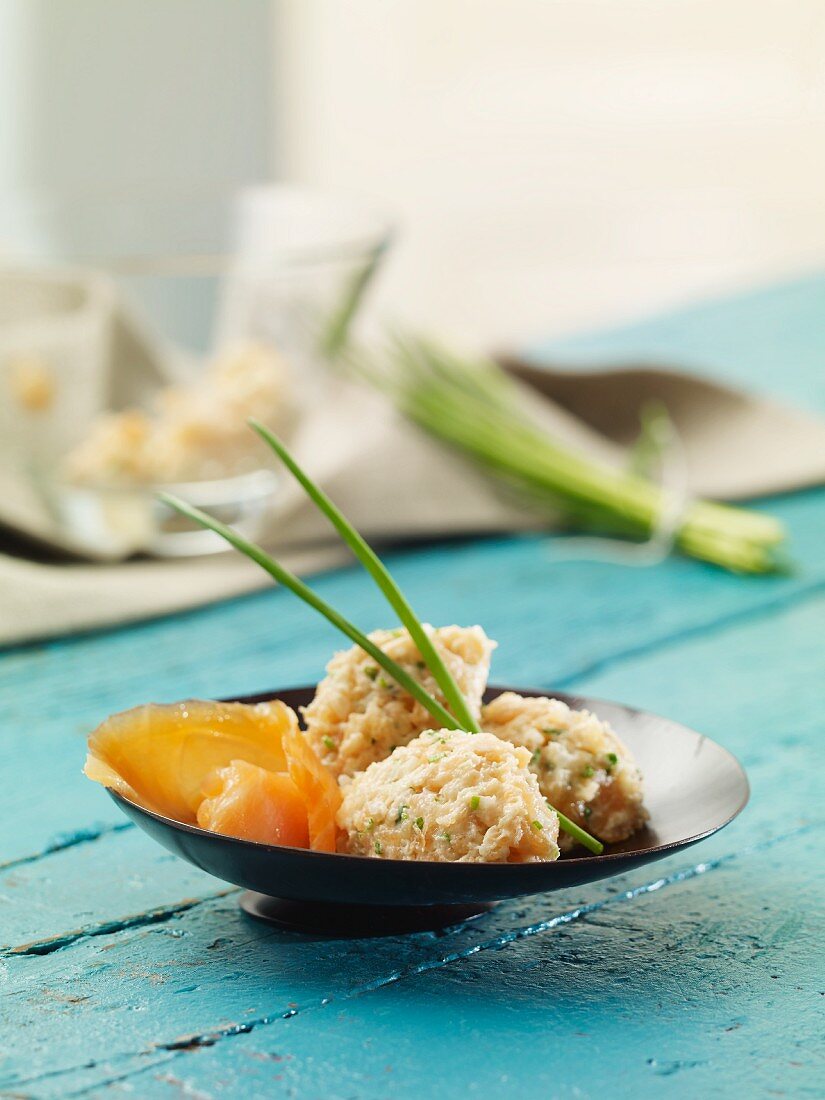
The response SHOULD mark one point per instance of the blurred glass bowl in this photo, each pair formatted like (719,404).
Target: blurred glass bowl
(120,522)
(286,268)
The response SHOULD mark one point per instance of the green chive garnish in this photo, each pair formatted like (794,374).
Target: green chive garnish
(381,575)
(577,833)
(588,770)
(330,744)
(584,838)
(371,671)
(378,847)
(537,825)
(419,823)
(612,758)
(475,802)
(304,592)
(401,815)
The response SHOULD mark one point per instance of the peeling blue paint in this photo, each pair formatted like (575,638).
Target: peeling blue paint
(112,927)
(64,841)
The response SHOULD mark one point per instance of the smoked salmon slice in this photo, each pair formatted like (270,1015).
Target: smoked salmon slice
(159,756)
(252,803)
(317,787)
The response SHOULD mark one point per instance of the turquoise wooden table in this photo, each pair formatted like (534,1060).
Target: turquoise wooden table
(123,970)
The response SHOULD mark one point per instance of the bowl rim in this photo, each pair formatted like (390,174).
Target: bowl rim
(497,689)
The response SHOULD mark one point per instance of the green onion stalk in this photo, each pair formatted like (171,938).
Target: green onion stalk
(482,412)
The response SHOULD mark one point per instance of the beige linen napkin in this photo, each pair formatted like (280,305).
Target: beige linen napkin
(392,481)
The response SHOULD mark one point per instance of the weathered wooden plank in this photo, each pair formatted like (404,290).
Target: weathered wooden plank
(148,963)
(49,901)
(358,1008)
(700,989)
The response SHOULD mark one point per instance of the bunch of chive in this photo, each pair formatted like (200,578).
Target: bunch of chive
(481,411)
(459,715)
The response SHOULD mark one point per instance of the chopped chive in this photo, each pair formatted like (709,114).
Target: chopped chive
(537,825)
(381,575)
(419,823)
(304,592)
(612,758)
(370,824)
(579,834)
(383,682)
(371,671)
(330,744)
(536,756)
(475,802)
(378,847)
(551,731)
(435,759)
(447,838)
(401,815)
(588,770)
(574,830)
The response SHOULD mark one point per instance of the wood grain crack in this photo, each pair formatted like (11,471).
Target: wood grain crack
(108,928)
(64,841)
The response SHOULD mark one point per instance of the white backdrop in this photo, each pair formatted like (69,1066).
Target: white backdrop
(125,128)
(558,163)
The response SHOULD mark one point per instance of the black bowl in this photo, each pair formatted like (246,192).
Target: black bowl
(693,788)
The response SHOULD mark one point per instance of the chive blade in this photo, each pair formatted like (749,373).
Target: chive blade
(381,575)
(584,838)
(304,592)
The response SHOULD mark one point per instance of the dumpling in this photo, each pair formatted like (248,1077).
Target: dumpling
(450,796)
(360,715)
(582,767)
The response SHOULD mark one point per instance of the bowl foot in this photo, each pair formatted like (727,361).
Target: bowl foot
(356,921)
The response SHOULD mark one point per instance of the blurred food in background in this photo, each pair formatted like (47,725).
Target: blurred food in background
(102,406)
(193,432)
